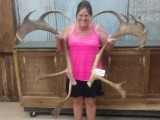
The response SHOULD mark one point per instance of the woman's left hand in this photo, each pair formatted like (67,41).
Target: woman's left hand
(111,40)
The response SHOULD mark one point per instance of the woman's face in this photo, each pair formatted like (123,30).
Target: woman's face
(83,17)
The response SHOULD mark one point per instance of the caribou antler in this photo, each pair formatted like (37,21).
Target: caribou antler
(31,25)
(137,29)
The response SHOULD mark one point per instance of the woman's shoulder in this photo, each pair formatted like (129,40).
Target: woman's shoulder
(68,29)
(70,26)
(98,28)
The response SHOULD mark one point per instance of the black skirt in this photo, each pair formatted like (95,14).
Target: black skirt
(82,89)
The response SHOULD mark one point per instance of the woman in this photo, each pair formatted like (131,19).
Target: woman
(84,40)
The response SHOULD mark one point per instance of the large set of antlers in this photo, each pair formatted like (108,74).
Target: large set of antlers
(126,28)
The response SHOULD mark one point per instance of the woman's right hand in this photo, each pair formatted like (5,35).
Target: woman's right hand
(58,36)
(59,43)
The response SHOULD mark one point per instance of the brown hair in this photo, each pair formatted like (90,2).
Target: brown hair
(84,4)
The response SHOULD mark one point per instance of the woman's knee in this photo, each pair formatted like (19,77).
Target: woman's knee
(78,101)
(90,101)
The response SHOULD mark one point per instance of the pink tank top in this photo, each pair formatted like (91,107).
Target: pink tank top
(82,51)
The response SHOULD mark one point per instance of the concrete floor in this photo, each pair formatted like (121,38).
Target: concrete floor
(14,111)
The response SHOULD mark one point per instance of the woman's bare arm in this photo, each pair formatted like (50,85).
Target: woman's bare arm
(105,38)
(62,37)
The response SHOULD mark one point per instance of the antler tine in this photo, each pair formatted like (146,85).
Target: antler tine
(145,30)
(132,16)
(27,16)
(58,108)
(109,11)
(125,17)
(142,37)
(30,25)
(53,11)
(19,34)
(138,22)
(116,86)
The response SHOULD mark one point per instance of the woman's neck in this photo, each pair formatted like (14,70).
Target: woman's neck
(83,31)
(83,28)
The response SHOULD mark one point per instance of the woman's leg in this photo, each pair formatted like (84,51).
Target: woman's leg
(78,108)
(90,108)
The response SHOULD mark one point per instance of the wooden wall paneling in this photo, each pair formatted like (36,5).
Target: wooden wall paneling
(1,81)
(4,78)
(146,64)
(11,78)
(154,72)
(129,66)
(8,80)
(7,41)
(2,92)
(31,85)
(1,30)
(18,76)
(7,37)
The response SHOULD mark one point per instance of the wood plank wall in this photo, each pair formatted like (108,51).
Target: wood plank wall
(8,86)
